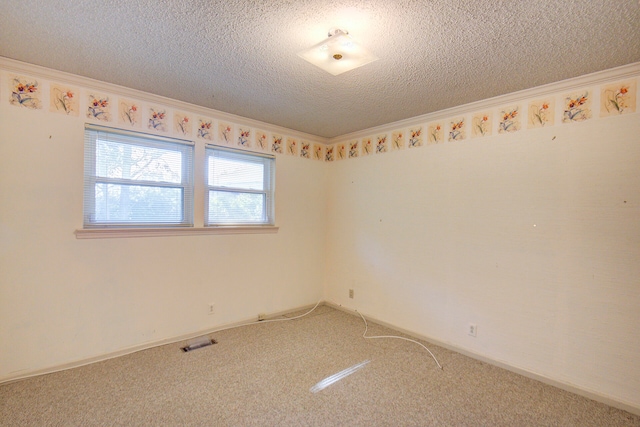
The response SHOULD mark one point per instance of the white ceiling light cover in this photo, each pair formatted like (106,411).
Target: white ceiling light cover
(338,53)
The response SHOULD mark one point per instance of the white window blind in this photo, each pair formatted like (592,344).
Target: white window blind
(136,180)
(240,187)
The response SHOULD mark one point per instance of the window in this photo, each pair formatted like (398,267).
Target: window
(240,187)
(136,180)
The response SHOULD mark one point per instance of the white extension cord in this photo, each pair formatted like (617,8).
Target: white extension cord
(366,328)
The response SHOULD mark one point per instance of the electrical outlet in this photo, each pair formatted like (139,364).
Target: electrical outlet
(351,293)
(212,308)
(473,329)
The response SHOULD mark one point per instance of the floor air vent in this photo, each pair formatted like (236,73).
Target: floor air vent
(199,343)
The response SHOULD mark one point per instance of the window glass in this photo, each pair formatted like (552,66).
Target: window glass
(240,187)
(136,180)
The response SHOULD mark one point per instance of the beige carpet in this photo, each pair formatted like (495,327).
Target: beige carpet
(261,375)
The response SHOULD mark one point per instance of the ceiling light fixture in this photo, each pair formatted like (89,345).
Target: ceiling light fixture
(338,53)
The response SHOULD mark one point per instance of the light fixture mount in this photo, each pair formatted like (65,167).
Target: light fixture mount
(336,31)
(338,53)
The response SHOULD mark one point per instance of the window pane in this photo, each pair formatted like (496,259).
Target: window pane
(137,204)
(241,187)
(137,162)
(133,179)
(233,173)
(232,207)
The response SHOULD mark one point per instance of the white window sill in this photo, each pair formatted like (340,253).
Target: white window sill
(111,233)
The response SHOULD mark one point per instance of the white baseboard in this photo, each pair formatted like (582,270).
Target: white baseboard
(590,394)
(145,346)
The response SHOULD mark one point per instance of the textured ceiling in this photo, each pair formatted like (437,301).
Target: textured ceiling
(240,56)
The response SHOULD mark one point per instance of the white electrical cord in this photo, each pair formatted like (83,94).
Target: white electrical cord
(366,328)
(266,320)
(290,318)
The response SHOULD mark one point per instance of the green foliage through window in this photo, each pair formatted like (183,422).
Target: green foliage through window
(134,179)
(240,187)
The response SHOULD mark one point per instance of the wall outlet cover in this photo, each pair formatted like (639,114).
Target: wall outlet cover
(473,329)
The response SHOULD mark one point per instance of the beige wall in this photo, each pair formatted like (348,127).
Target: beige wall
(534,237)
(63,300)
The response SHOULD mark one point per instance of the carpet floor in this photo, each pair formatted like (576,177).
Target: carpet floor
(263,375)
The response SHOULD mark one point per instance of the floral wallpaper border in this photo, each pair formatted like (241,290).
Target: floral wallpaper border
(591,102)
(611,98)
(31,92)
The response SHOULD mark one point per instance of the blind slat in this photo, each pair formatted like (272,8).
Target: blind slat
(133,180)
(240,187)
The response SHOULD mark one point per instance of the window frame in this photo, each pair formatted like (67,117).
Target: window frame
(186,186)
(268,190)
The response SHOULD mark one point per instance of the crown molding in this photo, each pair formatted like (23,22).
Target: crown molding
(593,79)
(19,67)
(599,77)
